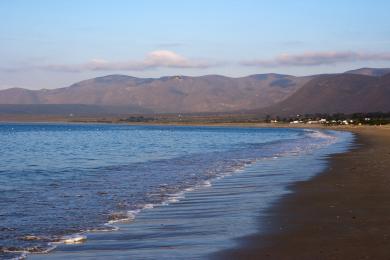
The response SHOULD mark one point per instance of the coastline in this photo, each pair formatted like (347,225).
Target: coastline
(194,123)
(217,209)
(280,220)
(277,165)
(341,213)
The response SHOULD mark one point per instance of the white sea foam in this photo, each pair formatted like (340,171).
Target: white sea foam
(148,206)
(173,198)
(128,217)
(206,184)
(316,139)
(319,134)
(71,239)
(189,189)
(25,251)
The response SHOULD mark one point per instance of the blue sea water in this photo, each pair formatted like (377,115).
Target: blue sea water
(161,191)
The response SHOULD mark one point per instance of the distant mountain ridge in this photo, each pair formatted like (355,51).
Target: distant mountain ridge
(174,94)
(376,72)
(361,90)
(343,93)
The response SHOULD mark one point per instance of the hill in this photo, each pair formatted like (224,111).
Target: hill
(176,94)
(376,72)
(361,90)
(342,93)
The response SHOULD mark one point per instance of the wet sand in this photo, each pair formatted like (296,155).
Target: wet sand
(343,213)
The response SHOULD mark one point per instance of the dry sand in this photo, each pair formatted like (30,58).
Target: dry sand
(343,213)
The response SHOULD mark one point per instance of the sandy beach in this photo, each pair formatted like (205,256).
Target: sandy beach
(342,213)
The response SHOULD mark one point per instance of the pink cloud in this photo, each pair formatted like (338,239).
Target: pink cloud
(153,60)
(317,58)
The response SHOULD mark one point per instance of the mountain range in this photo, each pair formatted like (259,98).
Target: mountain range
(361,90)
(343,93)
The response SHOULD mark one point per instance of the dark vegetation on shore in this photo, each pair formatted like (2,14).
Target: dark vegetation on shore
(372,118)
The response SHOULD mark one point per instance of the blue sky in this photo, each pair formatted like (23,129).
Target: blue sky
(53,43)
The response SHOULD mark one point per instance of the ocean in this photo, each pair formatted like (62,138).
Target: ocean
(102,191)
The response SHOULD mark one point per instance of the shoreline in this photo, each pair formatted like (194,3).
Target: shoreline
(342,213)
(280,213)
(204,124)
(229,198)
(240,183)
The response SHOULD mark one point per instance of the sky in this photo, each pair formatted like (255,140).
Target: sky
(53,43)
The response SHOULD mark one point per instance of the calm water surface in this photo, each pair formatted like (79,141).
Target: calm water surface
(143,192)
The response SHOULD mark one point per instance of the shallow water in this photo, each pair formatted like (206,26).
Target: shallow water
(179,192)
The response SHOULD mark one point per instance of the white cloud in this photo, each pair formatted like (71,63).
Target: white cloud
(168,59)
(153,60)
(317,58)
